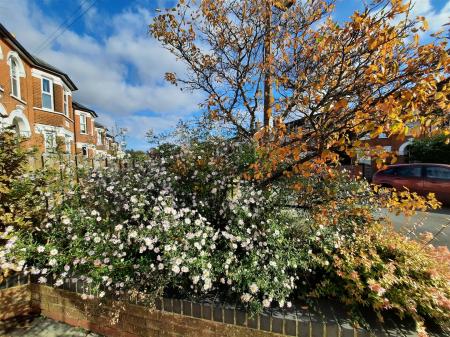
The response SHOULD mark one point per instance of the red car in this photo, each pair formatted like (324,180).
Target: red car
(420,178)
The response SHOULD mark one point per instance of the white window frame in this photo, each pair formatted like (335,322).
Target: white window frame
(66,109)
(99,138)
(83,117)
(68,145)
(15,77)
(50,82)
(51,148)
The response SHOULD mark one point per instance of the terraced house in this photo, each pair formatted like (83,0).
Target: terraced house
(36,100)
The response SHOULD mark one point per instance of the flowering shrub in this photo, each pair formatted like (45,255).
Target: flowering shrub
(375,267)
(185,223)
(181,223)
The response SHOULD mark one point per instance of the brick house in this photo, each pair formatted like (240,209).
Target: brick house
(101,142)
(393,144)
(35,97)
(36,100)
(85,133)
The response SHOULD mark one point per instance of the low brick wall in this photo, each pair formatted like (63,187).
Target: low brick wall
(15,301)
(15,297)
(171,317)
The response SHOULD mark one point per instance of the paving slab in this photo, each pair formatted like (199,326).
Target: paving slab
(38,326)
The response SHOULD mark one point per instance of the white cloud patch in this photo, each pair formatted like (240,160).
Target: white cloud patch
(436,18)
(120,74)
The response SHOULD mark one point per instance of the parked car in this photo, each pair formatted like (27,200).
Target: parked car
(420,178)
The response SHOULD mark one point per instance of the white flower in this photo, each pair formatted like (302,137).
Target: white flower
(289,304)
(246,298)
(184,269)
(266,303)
(176,269)
(52,262)
(66,267)
(187,221)
(40,249)
(195,279)
(253,288)
(161,266)
(208,284)
(42,279)
(53,252)
(102,294)
(59,283)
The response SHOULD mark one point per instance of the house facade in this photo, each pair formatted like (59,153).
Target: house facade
(36,100)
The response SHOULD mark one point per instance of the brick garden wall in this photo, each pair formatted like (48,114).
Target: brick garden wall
(15,301)
(171,318)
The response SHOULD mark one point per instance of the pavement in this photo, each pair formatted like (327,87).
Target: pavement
(38,326)
(436,222)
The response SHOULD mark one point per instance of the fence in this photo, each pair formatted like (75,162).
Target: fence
(76,161)
(174,317)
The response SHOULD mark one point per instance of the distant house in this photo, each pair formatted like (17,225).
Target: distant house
(85,135)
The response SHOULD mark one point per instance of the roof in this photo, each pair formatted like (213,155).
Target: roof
(100,126)
(79,106)
(35,61)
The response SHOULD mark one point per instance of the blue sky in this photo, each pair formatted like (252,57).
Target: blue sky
(117,67)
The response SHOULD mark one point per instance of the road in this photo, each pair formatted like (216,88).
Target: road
(426,222)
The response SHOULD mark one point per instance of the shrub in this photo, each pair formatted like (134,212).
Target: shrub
(185,223)
(25,197)
(431,150)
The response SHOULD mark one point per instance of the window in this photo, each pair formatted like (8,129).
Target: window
(436,172)
(66,103)
(68,145)
(99,138)
(15,80)
(83,124)
(388,172)
(50,141)
(47,94)
(409,171)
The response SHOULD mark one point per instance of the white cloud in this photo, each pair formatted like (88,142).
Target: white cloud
(120,74)
(436,18)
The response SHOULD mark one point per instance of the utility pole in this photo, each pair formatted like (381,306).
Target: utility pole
(268,92)
(268,68)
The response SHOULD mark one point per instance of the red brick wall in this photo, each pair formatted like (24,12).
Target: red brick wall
(37,98)
(58,97)
(15,301)
(128,320)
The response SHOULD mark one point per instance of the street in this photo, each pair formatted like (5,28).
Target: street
(426,222)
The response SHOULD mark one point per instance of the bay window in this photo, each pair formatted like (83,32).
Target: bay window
(47,94)
(83,124)
(66,102)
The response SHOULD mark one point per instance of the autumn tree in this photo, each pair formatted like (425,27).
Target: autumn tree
(329,82)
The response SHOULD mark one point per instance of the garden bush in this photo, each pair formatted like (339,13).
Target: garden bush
(185,223)
(431,150)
